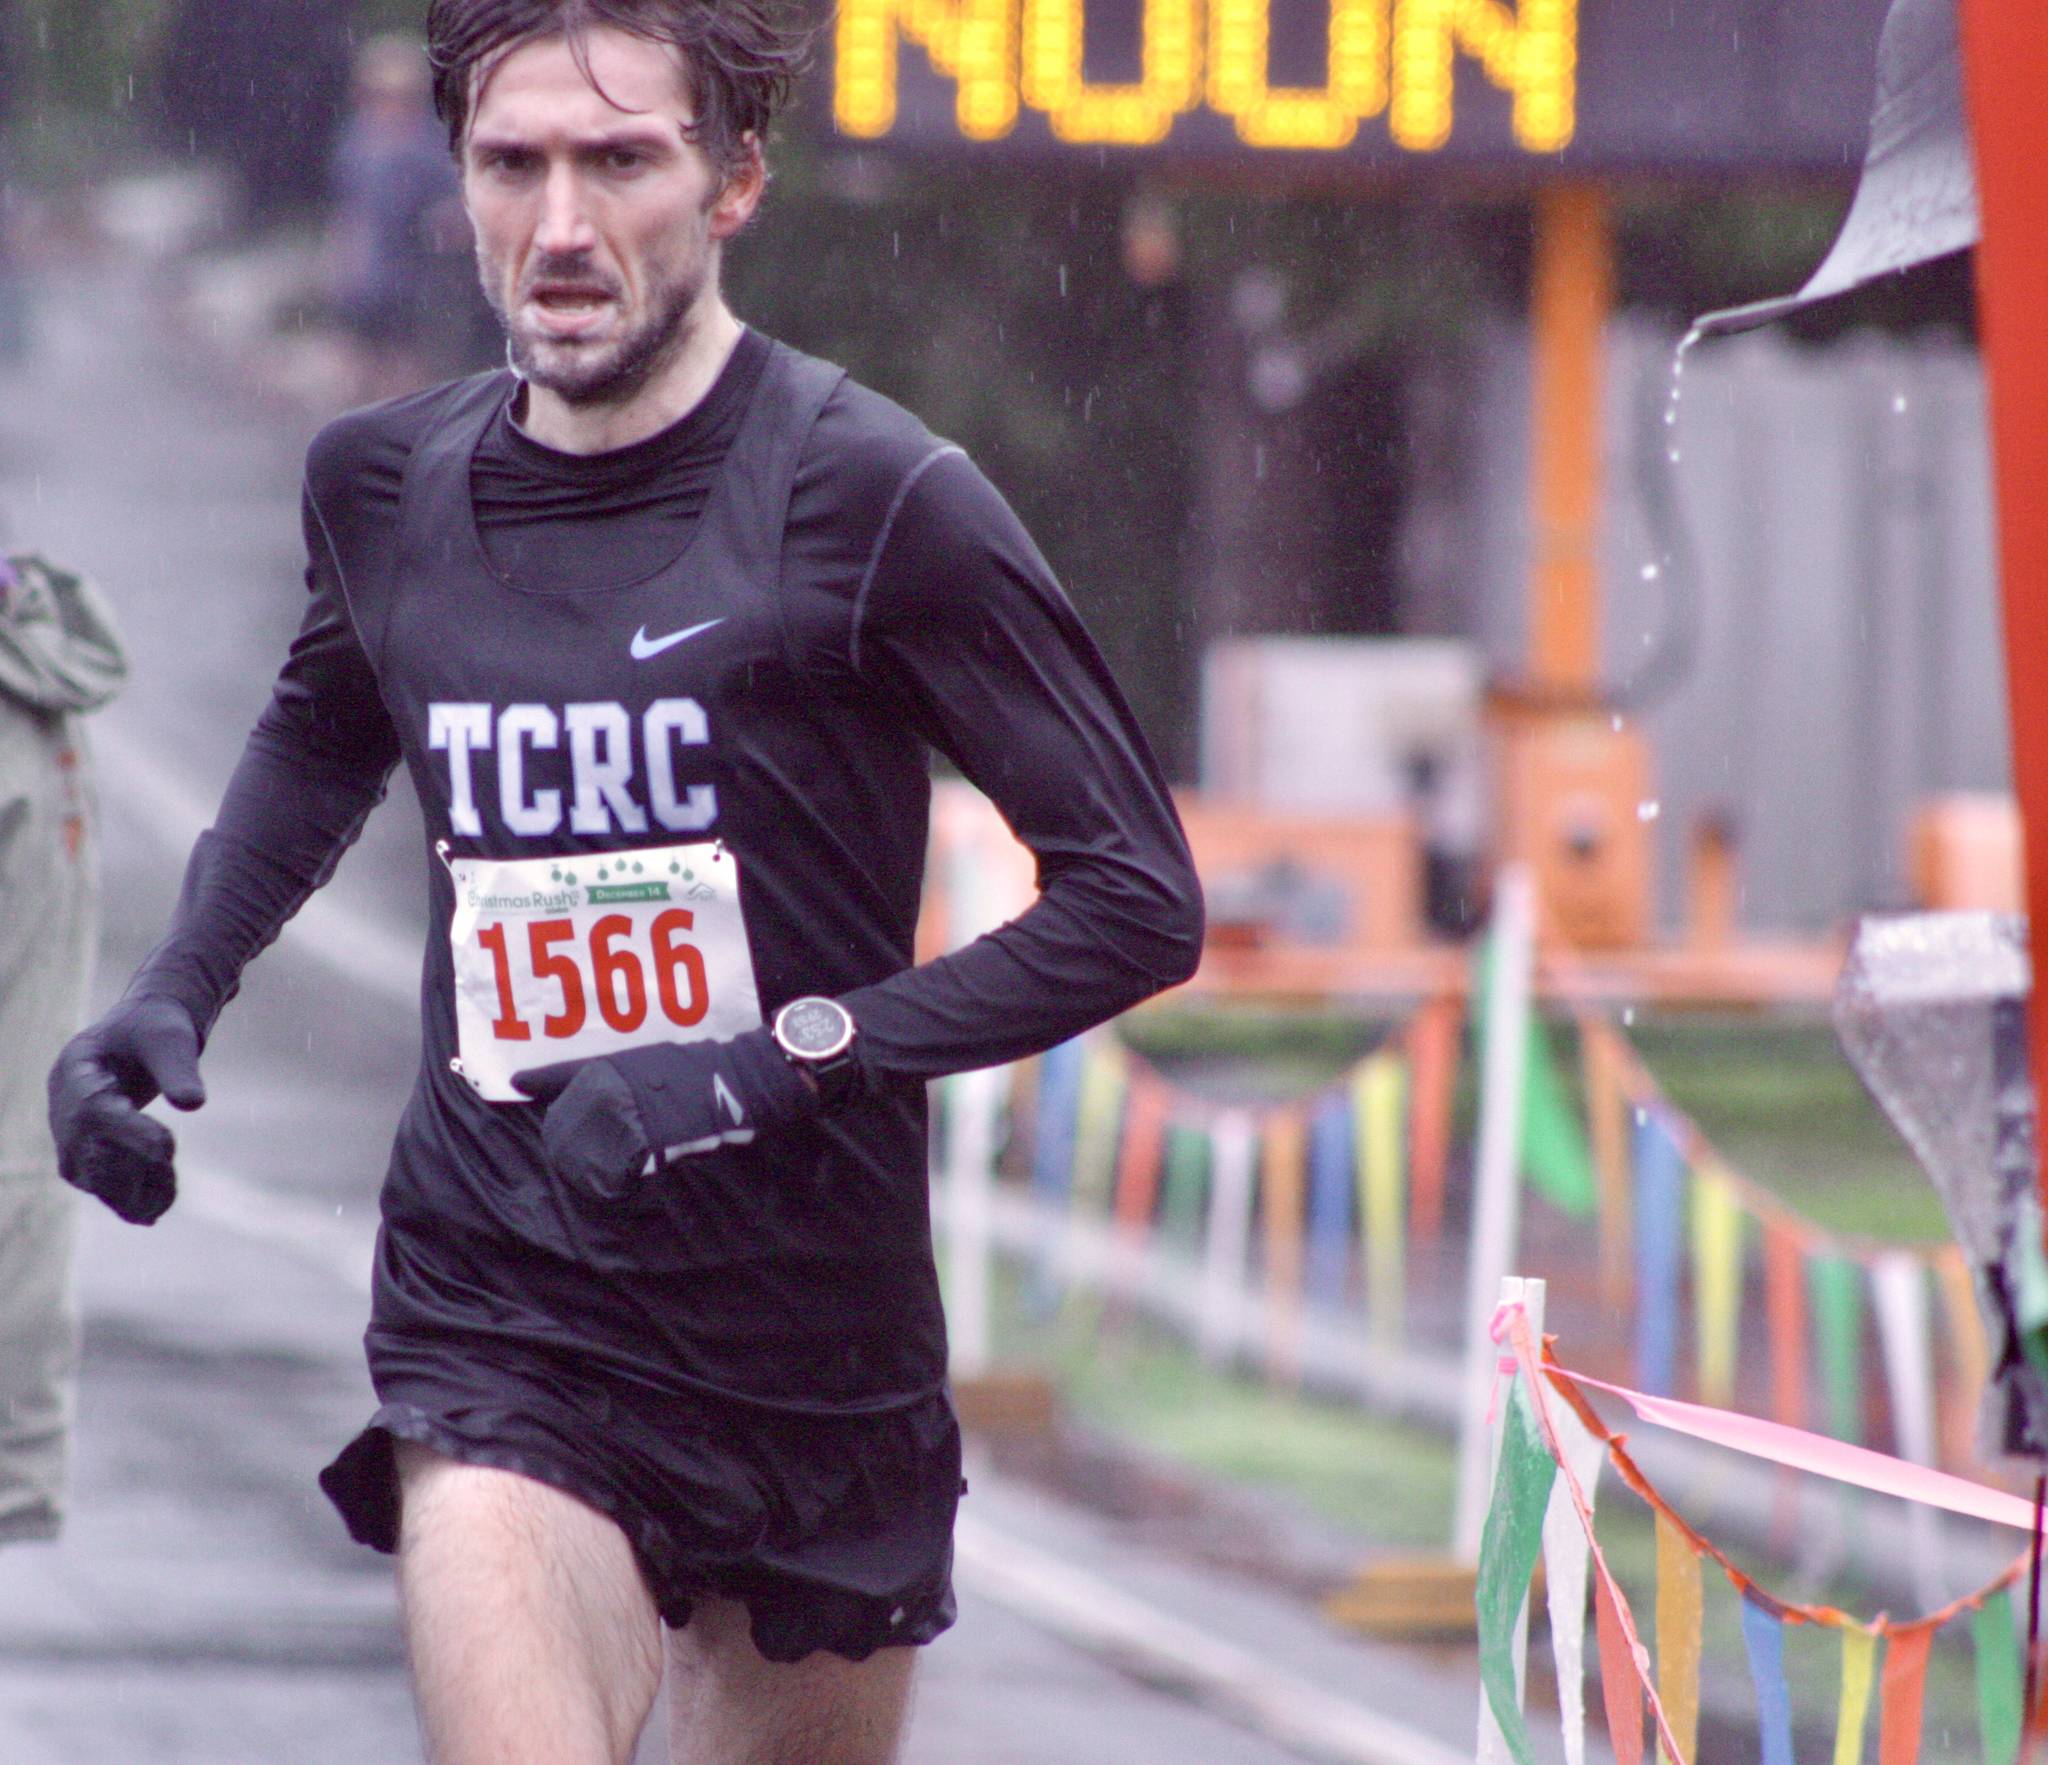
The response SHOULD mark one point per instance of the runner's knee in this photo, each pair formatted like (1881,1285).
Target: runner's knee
(728,1705)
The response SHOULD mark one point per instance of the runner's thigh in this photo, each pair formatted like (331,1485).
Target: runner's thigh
(729,1706)
(531,1631)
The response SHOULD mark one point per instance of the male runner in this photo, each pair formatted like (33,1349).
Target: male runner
(663,625)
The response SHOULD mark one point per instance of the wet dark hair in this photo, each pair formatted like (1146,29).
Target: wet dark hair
(741,56)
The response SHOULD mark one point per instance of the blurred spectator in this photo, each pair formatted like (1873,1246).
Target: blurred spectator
(59,657)
(397,226)
(258,85)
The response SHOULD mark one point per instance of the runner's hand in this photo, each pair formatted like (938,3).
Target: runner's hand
(612,1122)
(141,1050)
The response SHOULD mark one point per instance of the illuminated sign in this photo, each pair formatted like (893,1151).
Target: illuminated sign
(1578,83)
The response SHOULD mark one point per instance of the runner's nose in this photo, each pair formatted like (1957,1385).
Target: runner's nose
(564,229)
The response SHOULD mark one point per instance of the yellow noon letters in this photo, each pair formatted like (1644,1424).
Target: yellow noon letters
(1397,56)
(1294,116)
(1125,116)
(971,41)
(1532,54)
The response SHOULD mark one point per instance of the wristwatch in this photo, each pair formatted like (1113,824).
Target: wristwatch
(816,1037)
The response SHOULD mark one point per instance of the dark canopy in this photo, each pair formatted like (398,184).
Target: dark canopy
(260,85)
(1917,199)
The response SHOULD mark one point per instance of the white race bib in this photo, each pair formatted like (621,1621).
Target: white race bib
(573,958)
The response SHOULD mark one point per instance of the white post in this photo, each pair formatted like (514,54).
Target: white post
(973,1104)
(1496,1202)
(1492,1745)
(1899,1283)
(1227,1254)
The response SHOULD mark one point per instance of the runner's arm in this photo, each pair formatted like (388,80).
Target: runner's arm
(963,622)
(314,767)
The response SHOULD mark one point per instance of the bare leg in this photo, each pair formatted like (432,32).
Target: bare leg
(728,1706)
(533,1637)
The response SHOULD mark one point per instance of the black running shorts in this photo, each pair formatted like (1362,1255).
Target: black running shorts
(837,1531)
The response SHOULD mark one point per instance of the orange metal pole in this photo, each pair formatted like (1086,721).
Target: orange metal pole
(1571,294)
(2005,71)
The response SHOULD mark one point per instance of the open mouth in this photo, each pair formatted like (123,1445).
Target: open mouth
(566,308)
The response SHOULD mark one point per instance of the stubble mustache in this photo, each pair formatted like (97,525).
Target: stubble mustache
(570,268)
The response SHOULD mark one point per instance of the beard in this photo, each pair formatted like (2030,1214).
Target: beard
(613,369)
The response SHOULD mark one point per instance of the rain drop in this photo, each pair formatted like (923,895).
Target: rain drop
(1672,456)
(1628,1017)
(1649,809)
(1650,572)
(1898,404)
(1678,356)
(1063,281)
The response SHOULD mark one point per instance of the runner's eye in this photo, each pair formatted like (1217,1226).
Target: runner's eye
(508,162)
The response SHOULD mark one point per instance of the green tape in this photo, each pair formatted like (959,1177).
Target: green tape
(1555,1154)
(1185,1202)
(1837,1287)
(1999,1697)
(1507,1560)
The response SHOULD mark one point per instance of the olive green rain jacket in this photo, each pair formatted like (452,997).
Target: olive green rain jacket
(59,658)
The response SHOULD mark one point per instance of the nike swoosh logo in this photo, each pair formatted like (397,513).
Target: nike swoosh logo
(722,1092)
(645,647)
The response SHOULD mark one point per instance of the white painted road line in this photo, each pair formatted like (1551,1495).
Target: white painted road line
(1152,1644)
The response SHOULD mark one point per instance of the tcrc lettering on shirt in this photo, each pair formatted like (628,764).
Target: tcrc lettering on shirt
(621,773)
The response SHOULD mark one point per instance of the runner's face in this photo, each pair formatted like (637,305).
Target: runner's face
(598,223)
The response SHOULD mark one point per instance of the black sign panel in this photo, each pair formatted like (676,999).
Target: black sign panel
(1542,87)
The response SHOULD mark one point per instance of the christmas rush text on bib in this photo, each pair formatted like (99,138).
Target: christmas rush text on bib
(575,958)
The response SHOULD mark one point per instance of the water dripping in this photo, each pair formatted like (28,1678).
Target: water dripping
(1677,391)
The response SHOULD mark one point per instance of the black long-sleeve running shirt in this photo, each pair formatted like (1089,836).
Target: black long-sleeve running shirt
(911,612)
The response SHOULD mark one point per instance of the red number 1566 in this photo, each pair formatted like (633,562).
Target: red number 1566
(618,977)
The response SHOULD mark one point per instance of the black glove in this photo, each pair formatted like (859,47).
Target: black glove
(142,1049)
(613,1122)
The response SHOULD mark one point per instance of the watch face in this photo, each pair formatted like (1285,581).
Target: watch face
(814,1029)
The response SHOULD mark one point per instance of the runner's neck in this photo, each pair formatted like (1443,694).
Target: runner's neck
(674,391)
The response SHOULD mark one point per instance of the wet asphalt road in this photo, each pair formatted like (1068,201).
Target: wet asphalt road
(205,1605)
